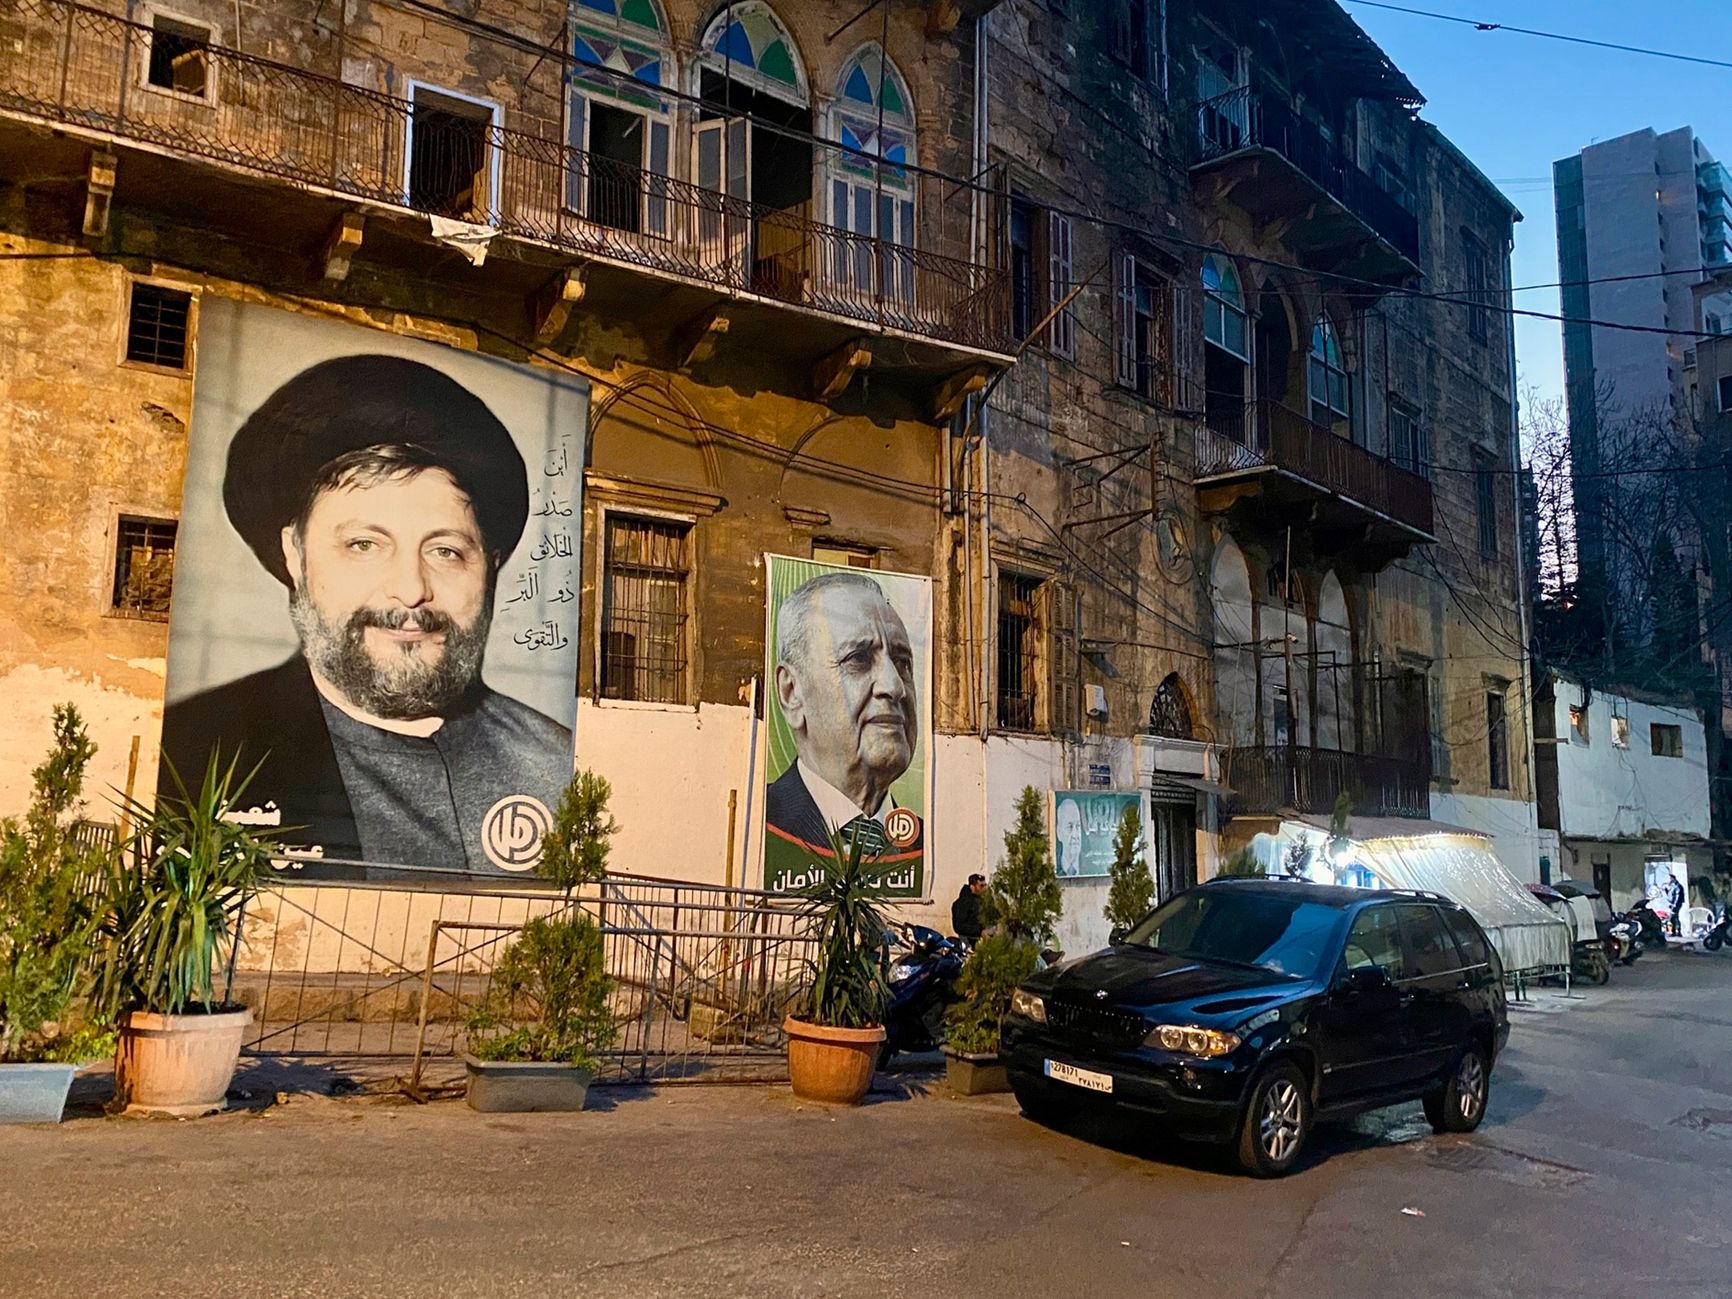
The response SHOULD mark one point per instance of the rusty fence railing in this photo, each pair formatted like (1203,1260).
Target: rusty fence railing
(72,64)
(703,974)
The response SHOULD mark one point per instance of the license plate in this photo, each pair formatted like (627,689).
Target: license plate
(1069,1073)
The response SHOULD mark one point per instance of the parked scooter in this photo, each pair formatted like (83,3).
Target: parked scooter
(1719,932)
(1624,942)
(1589,961)
(922,987)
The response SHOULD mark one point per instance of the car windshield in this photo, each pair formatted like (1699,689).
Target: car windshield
(1280,933)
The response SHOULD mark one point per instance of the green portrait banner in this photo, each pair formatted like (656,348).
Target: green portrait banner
(848,672)
(1084,824)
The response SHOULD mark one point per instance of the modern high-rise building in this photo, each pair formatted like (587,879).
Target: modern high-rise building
(1641,220)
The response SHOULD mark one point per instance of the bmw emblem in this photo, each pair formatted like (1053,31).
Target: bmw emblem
(1100,994)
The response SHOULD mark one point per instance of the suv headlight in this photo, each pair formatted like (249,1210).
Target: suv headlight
(1028,1006)
(1205,1043)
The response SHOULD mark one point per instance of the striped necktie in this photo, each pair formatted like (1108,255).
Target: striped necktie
(869,833)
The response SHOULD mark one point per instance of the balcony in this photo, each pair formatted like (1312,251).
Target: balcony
(1269,780)
(323,147)
(1256,153)
(1281,469)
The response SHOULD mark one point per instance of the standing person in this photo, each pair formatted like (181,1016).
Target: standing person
(967,914)
(1675,900)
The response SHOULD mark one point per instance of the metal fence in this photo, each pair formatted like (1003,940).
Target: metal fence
(703,974)
(73,64)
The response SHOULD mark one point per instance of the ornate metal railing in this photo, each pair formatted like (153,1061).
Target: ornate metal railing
(68,63)
(1253,118)
(1267,433)
(1272,778)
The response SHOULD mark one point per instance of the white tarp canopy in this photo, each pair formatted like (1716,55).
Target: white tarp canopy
(1459,865)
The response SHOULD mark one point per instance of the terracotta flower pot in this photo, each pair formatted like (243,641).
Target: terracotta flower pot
(833,1065)
(177,1064)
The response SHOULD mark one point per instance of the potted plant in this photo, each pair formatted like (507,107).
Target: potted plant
(48,922)
(1026,901)
(173,901)
(833,1041)
(534,1039)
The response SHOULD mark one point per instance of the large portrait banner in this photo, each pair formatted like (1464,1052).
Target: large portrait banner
(376,593)
(848,667)
(1084,824)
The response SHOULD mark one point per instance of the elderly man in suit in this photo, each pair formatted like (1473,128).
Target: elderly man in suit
(845,684)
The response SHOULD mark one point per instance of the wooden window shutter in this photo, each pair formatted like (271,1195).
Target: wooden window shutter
(1064,713)
(1187,380)
(1061,335)
(1125,317)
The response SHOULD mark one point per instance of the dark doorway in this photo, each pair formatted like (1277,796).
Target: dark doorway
(450,156)
(778,180)
(1173,840)
(616,148)
(1274,348)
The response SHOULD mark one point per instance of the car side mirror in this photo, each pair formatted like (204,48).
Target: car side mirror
(1368,978)
(1116,935)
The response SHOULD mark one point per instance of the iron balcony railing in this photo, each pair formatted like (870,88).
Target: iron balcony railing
(1253,118)
(1266,779)
(68,63)
(1267,434)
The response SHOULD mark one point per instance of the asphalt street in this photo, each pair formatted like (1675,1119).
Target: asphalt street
(1602,1168)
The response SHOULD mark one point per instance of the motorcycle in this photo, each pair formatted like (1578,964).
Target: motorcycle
(922,988)
(1652,923)
(1719,932)
(1590,961)
(1624,941)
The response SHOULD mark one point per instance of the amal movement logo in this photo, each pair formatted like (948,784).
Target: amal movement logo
(512,831)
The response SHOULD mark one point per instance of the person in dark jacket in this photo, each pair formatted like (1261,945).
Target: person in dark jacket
(967,916)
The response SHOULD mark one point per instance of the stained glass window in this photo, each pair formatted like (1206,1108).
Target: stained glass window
(753,47)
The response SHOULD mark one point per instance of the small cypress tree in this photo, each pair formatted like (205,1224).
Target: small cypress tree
(1131,893)
(1025,892)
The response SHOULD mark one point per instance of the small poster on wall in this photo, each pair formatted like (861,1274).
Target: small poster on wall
(1084,824)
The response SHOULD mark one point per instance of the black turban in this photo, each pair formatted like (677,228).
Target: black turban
(354,402)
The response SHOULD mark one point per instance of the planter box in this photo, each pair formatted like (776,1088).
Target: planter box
(34,1093)
(833,1065)
(975,1075)
(525,1086)
(180,1065)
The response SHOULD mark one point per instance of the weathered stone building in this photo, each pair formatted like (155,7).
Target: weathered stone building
(1268,445)
(1236,526)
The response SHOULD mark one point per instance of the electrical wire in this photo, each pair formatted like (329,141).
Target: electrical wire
(1482,25)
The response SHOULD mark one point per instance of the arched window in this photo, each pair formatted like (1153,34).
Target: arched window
(871,188)
(1224,308)
(618,120)
(1328,374)
(752,144)
(1170,713)
(747,43)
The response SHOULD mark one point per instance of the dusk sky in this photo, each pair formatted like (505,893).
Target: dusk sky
(1515,104)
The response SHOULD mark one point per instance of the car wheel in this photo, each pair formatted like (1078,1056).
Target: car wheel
(1459,1105)
(1276,1122)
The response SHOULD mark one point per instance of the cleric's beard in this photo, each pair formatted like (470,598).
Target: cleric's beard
(404,683)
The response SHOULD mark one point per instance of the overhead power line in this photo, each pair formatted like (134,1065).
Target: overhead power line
(1482,25)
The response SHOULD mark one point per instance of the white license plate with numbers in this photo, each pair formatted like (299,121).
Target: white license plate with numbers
(1069,1073)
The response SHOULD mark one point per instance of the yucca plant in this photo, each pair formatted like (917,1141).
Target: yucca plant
(849,986)
(175,895)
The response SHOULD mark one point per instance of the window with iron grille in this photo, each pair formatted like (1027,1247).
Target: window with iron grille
(1485,505)
(179,57)
(644,638)
(156,326)
(143,568)
(1496,740)
(1476,265)
(1018,651)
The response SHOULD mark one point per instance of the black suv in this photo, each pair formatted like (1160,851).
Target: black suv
(1241,1010)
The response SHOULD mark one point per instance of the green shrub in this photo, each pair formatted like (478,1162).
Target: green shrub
(548,998)
(1026,898)
(991,973)
(48,910)
(574,850)
(1131,892)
